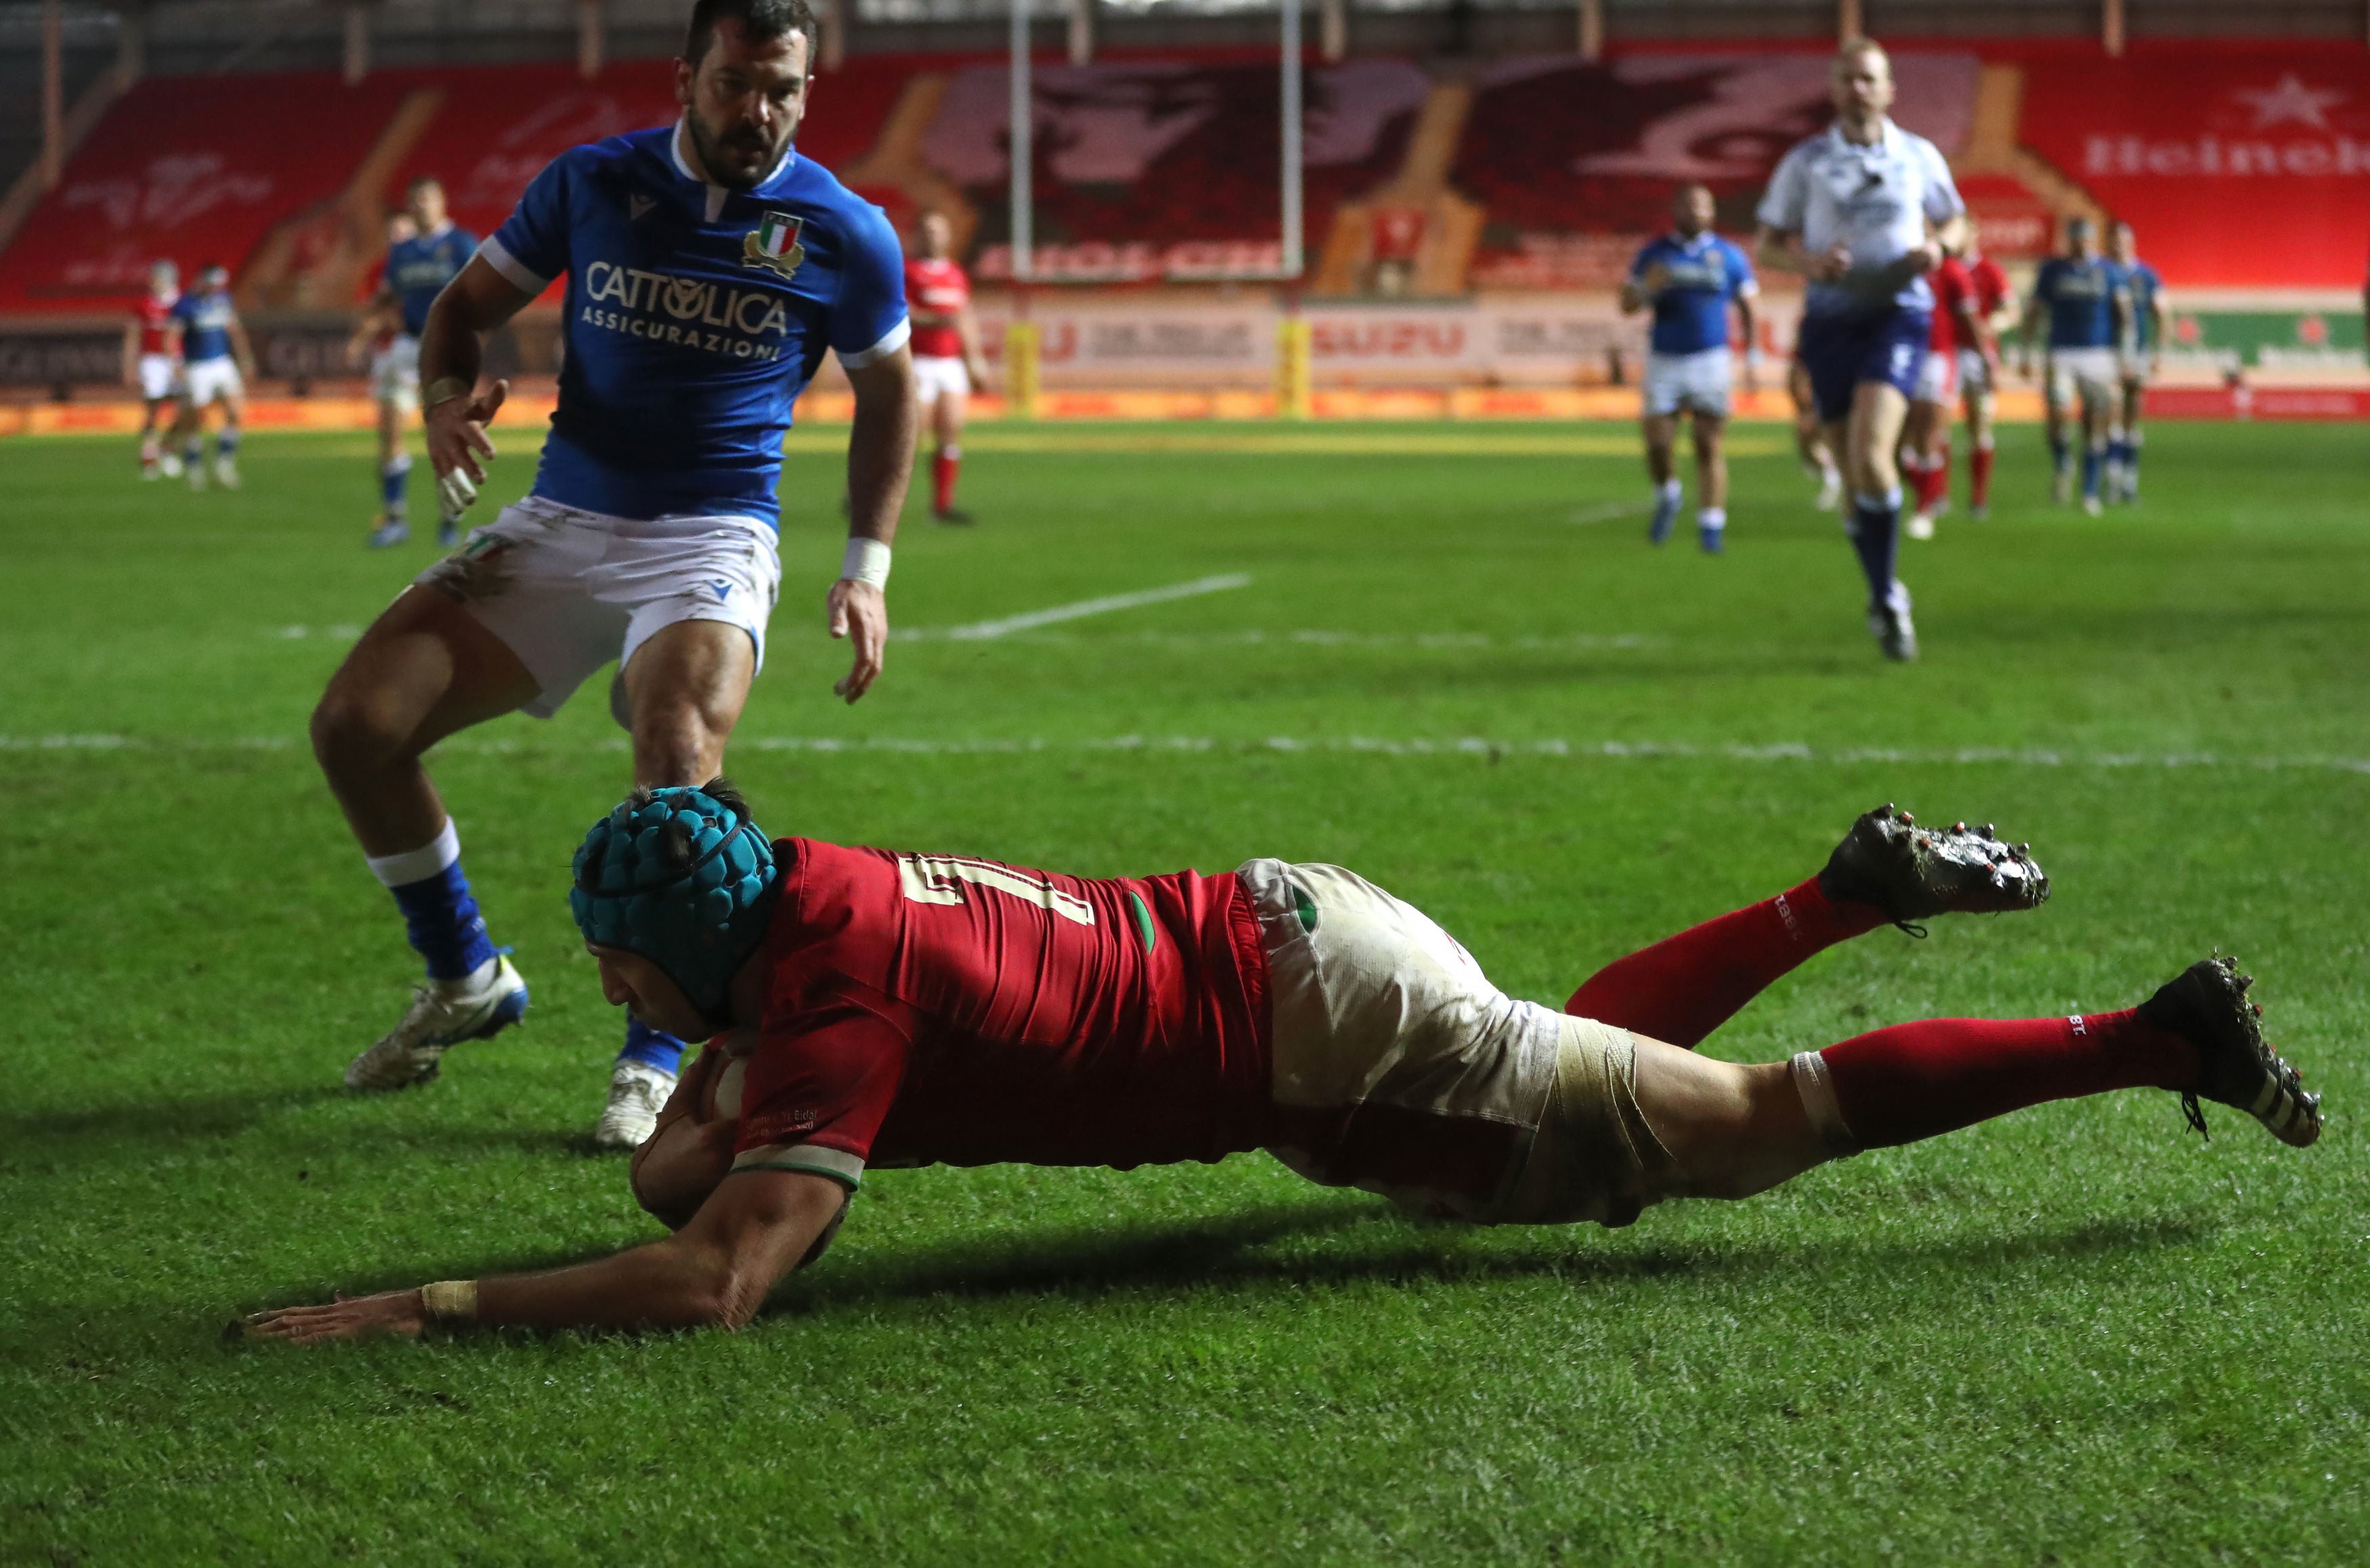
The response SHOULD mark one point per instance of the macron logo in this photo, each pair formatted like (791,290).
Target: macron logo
(637,207)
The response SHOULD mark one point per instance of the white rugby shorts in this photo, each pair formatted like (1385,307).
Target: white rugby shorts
(569,590)
(1975,376)
(2082,372)
(1697,381)
(202,381)
(935,374)
(158,377)
(2134,367)
(1938,378)
(395,373)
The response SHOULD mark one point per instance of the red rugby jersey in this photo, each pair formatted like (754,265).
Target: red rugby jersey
(936,288)
(154,314)
(1953,288)
(938,1009)
(1990,284)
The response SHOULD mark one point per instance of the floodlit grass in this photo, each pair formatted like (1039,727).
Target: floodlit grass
(2075,1336)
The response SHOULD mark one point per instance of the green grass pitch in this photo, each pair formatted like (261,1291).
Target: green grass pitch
(2076,1335)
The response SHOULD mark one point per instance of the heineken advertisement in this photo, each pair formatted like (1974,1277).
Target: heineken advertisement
(2268,339)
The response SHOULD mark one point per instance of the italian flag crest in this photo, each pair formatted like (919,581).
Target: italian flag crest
(773,244)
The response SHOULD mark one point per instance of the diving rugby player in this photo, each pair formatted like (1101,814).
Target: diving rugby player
(879,1009)
(1849,209)
(710,269)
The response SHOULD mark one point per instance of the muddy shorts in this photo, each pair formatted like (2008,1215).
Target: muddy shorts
(1401,1071)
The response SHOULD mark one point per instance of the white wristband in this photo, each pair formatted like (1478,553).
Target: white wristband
(866,561)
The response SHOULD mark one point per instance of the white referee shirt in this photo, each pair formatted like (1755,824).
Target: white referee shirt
(1877,199)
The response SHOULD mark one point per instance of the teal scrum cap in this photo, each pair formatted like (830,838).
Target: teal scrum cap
(685,880)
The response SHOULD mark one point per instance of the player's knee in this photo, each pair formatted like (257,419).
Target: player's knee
(350,736)
(677,743)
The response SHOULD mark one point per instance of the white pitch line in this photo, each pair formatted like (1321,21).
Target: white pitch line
(979,630)
(1461,746)
(1608,511)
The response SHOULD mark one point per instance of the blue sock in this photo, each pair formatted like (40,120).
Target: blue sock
(394,479)
(2061,454)
(226,443)
(2093,457)
(651,1047)
(1876,537)
(2132,459)
(441,916)
(194,451)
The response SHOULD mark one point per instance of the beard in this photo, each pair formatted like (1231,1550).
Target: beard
(740,159)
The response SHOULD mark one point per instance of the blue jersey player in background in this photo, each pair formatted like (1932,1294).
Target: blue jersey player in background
(710,269)
(2078,295)
(1690,277)
(216,364)
(425,251)
(1851,210)
(2144,321)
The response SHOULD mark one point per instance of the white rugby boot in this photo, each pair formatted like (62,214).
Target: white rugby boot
(442,1014)
(637,1092)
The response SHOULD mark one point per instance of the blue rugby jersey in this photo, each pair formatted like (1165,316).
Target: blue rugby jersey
(2079,295)
(695,317)
(205,321)
(1691,311)
(1876,200)
(418,268)
(2141,284)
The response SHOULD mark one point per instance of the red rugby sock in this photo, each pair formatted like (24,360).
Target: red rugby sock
(1979,476)
(943,469)
(1915,1081)
(1935,486)
(1683,987)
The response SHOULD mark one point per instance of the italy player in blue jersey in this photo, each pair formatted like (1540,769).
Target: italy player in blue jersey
(710,269)
(424,253)
(1689,279)
(1851,210)
(2144,317)
(2077,294)
(216,364)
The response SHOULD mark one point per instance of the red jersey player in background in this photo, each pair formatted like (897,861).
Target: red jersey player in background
(878,1009)
(152,367)
(1979,370)
(946,363)
(1925,435)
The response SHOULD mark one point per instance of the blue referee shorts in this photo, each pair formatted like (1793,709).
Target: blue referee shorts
(1841,351)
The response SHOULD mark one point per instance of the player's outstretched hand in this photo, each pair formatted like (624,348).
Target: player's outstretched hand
(399,1312)
(859,611)
(457,441)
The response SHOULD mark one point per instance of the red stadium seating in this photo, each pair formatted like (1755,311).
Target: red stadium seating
(1169,166)
(194,168)
(2240,164)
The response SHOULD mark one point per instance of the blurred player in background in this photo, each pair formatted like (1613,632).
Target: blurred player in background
(2077,292)
(1849,209)
(2142,353)
(418,266)
(1979,370)
(710,269)
(1811,437)
(1926,438)
(150,369)
(216,364)
(948,367)
(1689,278)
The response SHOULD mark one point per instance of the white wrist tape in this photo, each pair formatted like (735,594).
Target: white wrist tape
(451,1300)
(866,561)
